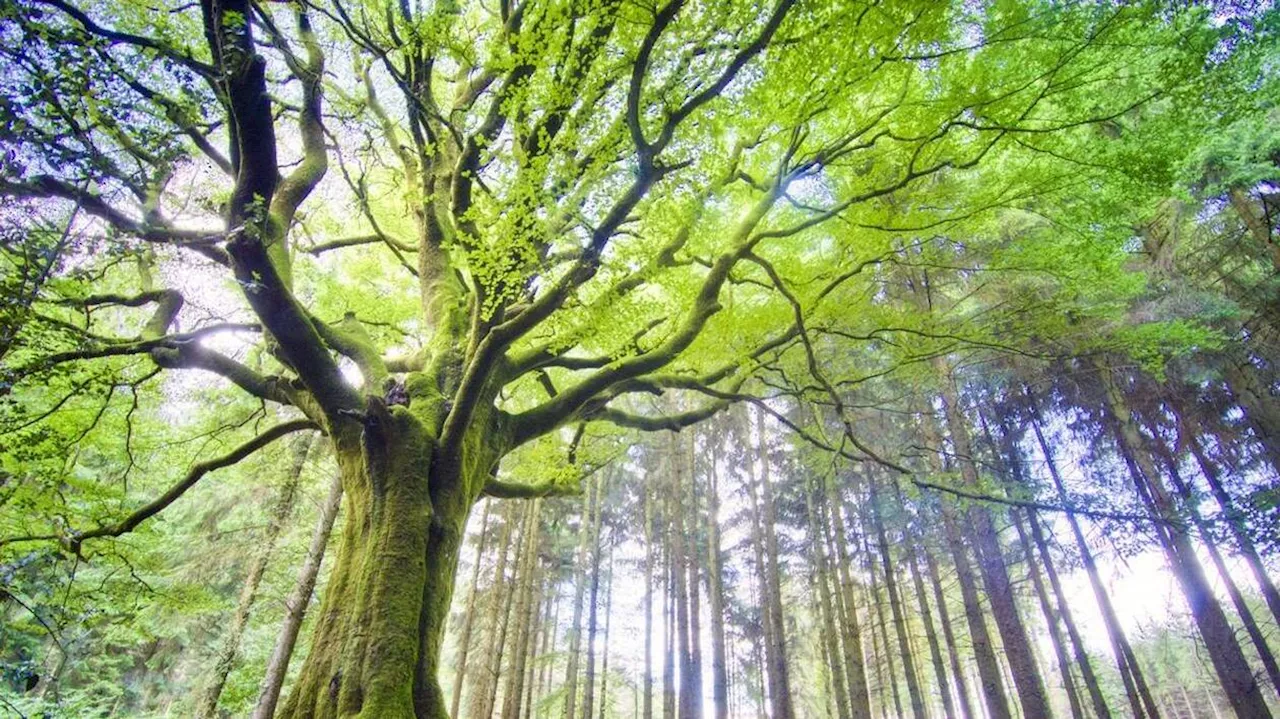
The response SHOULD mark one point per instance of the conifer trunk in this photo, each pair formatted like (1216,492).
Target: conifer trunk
(295,607)
(854,663)
(826,609)
(579,597)
(1050,618)
(647,698)
(895,605)
(286,498)
(1224,651)
(995,576)
(715,598)
(948,634)
(1233,515)
(1141,703)
(469,614)
(776,653)
(1096,698)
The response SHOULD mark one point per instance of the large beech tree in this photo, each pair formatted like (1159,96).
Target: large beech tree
(567,205)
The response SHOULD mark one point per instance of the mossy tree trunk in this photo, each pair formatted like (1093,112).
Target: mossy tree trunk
(377,643)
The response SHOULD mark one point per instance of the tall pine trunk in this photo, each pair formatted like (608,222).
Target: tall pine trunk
(995,576)
(1224,651)
(281,509)
(1141,702)
(295,607)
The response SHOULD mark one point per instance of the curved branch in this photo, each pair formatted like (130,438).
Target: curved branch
(194,475)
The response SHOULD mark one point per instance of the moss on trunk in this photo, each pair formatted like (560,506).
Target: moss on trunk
(378,636)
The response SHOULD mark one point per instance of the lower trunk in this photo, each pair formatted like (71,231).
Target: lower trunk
(1220,642)
(948,634)
(377,642)
(207,705)
(295,606)
(1050,619)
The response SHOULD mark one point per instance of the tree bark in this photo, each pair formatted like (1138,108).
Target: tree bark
(525,611)
(281,509)
(948,634)
(854,663)
(995,576)
(1233,515)
(826,610)
(579,597)
(895,605)
(647,699)
(1224,651)
(715,598)
(1096,698)
(1141,703)
(776,652)
(295,607)
(468,621)
(1050,618)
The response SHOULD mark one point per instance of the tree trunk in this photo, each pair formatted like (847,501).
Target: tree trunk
(882,625)
(504,605)
(1224,652)
(995,576)
(926,618)
(608,616)
(526,580)
(286,497)
(895,605)
(1141,703)
(376,647)
(1096,698)
(579,596)
(1235,518)
(826,609)
(1050,618)
(854,664)
(693,565)
(776,650)
(715,597)
(948,634)
(647,699)
(1251,627)
(676,533)
(295,607)
(593,606)
(468,621)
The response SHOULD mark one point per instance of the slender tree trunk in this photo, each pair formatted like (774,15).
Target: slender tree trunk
(854,663)
(295,607)
(668,631)
(1050,618)
(1141,703)
(525,611)
(826,609)
(715,597)
(776,654)
(693,563)
(481,691)
(608,616)
(1251,627)
(579,596)
(1220,642)
(1235,518)
(926,618)
(881,623)
(995,576)
(895,605)
(593,607)
(281,509)
(680,567)
(647,699)
(507,604)
(1096,698)
(953,651)
(468,621)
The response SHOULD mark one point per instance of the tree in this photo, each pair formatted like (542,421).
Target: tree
(578,205)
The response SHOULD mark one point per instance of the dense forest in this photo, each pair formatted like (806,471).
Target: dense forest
(582,359)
